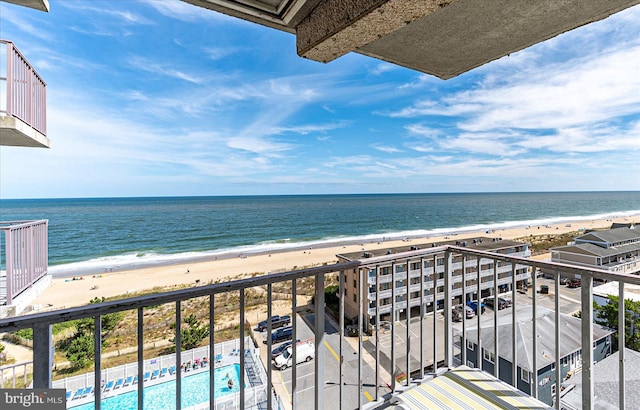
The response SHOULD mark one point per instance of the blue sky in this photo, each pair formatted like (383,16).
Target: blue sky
(155,98)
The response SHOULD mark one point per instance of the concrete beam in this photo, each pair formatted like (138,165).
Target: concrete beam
(337,27)
(42,5)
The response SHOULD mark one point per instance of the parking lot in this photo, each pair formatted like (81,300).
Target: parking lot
(303,386)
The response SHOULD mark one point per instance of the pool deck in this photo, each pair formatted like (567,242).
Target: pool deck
(226,360)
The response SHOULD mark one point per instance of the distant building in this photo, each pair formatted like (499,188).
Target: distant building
(570,349)
(605,384)
(616,250)
(385,280)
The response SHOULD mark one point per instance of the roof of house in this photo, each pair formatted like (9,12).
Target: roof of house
(570,334)
(595,250)
(479,243)
(610,236)
(606,382)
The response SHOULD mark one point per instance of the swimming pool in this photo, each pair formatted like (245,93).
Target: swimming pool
(195,390)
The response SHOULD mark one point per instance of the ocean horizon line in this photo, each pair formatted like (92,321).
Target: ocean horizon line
(311,195)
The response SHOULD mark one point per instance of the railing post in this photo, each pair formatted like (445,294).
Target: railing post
(341,331)
(621,344)
(392,370)
(587,340)
(8,245)
(42,355)
(514,329)
(556,301)
(140,384)
(448,289)
(534,313)
(434,277)
(319,340)
(267,338)
(496,364)
(97,349)
(361,287)
(408,325)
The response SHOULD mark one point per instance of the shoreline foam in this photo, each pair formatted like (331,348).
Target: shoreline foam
(131,261)
(64,292)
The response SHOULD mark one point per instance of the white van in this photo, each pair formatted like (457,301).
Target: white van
(305,352)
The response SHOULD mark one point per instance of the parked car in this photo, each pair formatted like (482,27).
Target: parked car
(457,312)
(276,322)
(281,348)
(473,304)
(574,283)
(285,333)
(305,352)
(351,330)
(502,303)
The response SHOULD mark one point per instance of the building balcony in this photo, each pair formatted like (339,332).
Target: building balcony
(372,370)
(23,101)
(24,258)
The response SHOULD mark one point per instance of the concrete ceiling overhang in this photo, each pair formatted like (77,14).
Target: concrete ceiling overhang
(42,5)
(444,38)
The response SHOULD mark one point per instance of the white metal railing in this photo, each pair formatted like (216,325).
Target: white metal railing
(25,256)
(407,361)
(24,93)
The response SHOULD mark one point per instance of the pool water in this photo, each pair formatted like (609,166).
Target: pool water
(195,390)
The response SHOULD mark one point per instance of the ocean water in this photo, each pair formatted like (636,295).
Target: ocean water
(93,235)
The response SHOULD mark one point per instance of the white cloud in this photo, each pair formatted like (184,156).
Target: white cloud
(386,148)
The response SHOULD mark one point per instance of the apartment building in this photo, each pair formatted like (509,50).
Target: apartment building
(616,250)
(402,281)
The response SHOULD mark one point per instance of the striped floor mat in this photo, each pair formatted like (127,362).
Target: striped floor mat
(468,389)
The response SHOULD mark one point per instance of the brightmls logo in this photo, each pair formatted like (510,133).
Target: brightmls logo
(36,399)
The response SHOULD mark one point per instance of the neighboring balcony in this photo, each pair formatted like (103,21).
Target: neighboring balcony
(24,263)
(23,101)
(343,367)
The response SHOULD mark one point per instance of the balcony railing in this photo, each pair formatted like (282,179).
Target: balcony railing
(374,371)
(25,256)
(23,90)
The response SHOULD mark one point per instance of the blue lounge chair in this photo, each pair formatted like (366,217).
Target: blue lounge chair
(164,372)
(69,395)
(119,383)
(219,358)
(172,370)
(135,379)
(109,385)
(155,374)
(129,380)
(78,393)
(147,375)
(87,391)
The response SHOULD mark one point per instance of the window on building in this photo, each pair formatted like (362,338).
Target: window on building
(470,345)
(355,283)
(355,298)
(488,356)
(524,375)
(470,364)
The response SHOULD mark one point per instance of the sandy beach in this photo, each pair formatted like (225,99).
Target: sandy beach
(66,292)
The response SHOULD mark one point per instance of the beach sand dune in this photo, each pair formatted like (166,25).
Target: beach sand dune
(65,292)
